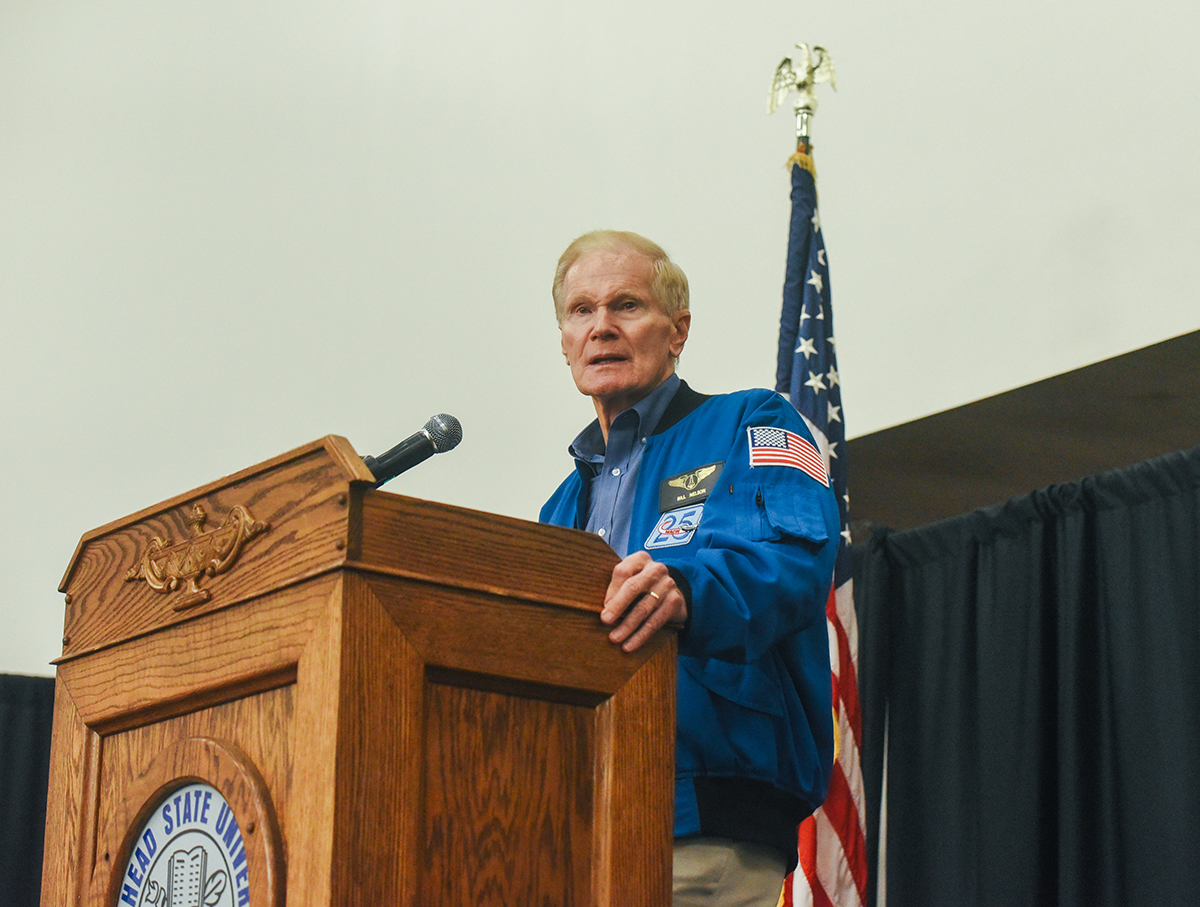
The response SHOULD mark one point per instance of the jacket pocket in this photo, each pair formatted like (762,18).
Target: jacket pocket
(751,686)
(784,511)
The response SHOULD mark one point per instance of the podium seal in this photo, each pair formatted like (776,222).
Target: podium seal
(200,831)
(189,853)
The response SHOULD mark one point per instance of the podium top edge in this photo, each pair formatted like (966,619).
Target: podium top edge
(338,449)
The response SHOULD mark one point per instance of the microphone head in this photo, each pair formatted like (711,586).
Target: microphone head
(444,432)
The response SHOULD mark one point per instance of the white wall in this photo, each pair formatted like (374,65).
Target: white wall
(228,228)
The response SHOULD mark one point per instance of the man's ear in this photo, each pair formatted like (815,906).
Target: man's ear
(683,322)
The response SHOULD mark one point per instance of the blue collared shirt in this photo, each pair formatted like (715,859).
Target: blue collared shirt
(615,465)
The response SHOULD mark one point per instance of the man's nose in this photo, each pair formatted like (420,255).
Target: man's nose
(603,324)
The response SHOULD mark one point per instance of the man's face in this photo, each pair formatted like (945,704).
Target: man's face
(618,340)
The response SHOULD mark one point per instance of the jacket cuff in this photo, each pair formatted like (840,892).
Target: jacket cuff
(685,588)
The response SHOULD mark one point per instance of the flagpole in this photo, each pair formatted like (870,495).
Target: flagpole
(831,843)
(803,142)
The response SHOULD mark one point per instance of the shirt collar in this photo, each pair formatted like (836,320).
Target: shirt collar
(589,446)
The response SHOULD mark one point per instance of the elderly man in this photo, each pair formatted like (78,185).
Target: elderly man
(722,511)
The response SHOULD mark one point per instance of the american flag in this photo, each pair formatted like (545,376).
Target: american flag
(771,446)
(833,853)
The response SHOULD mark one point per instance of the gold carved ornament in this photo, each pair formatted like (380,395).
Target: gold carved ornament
(165,565)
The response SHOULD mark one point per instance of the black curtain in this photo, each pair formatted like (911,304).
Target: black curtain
(26,718)
(1035,671)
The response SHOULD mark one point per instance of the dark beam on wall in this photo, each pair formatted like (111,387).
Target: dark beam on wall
(1104,416)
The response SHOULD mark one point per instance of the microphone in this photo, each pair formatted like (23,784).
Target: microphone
(440,434)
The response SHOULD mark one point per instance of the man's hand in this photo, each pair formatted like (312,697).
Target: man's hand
(643,597)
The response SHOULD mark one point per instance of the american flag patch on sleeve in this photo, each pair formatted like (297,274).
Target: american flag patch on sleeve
(770,446)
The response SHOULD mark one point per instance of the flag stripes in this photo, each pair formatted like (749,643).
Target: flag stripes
(842,654)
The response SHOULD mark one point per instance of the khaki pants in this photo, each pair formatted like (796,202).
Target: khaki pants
(717,872)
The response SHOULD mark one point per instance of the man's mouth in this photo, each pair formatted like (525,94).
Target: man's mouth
(606,359)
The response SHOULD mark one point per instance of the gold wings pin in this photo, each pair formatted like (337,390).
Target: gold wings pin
(692,479)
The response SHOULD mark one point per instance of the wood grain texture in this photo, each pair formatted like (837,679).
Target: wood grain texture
(71,750)
(312,794)
(468,549)
(380,747)
(207,659)
(636,819)
(511,638)
(509,800)
(303,499)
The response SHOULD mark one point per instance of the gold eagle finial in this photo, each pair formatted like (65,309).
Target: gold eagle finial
(810,70)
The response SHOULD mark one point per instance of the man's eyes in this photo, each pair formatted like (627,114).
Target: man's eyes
(620,307)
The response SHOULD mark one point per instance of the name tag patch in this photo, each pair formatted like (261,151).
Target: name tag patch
(675,527)
(688,487)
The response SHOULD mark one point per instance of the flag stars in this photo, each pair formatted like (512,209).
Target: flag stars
(815,382)
(807,346)
(816,221)
(816,281)
(821,257)
(832,376)
(835,413)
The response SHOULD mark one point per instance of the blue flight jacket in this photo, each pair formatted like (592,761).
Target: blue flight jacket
(752,549)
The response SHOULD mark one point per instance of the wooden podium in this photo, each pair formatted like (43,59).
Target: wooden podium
(400,702)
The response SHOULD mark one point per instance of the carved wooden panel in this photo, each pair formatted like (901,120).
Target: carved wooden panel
(299,501)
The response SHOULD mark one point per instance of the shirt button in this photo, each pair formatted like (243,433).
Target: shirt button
(601,533)
(616,471)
